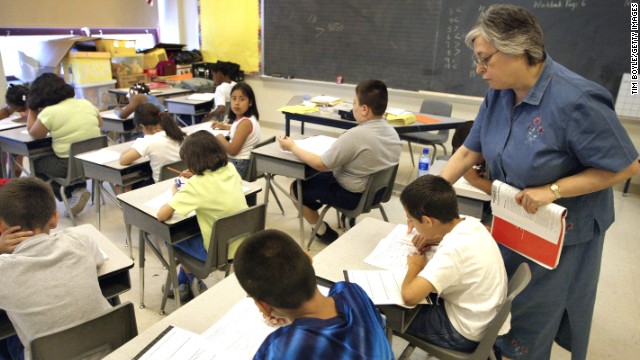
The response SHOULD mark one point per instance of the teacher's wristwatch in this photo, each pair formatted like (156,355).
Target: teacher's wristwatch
(556,190)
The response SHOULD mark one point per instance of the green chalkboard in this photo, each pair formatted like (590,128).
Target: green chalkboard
(419,44)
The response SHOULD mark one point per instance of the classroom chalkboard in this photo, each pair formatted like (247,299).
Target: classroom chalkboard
(419,44)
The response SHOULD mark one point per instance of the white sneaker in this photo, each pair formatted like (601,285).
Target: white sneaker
(78,201)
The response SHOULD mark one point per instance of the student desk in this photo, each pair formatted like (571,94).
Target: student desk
(113,275)
(160,93)
(349,252)
(196,316)
(18,142)
(7,124)
(271,160)
(182,105)
(332,119)
(138,213)
(114,173)
(112,122)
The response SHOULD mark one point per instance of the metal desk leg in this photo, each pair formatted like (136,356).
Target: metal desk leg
(267,178)
(141,265)
(299,185)
(173,274)
(97,184)
(128,241)
(287,125)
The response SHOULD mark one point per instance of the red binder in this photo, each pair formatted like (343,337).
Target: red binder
(528,244)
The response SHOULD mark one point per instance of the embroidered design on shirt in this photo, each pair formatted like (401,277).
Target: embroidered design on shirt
(534,129)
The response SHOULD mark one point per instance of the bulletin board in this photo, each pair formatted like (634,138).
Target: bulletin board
(230,31)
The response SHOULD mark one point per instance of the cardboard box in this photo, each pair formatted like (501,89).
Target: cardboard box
(52,52)
(127,65)
(183,69)
(153,57)
(117,47)
(86,67)
(97,93)
(125,81)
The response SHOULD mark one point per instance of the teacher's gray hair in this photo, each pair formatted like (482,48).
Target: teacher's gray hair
(512,30)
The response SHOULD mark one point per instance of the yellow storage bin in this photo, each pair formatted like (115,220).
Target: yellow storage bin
(153,57)
(85,67)
(117,47)
(127,65)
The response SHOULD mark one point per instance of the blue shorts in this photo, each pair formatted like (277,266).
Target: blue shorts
(194,247)
(323,189)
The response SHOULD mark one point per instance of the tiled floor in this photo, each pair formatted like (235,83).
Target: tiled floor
(615,333)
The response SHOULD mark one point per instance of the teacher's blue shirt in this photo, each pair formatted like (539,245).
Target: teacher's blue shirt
(565,125)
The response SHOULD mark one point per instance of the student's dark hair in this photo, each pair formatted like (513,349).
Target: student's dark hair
(460,135)
(139,88)
(149,115)
(248,92)
(271,267)
(48,89)
(373,93)
(17,95)
(223,68)
(201,151)
(431,196)
(27,202)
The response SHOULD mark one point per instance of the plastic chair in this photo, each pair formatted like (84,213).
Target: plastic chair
(94,338)
(167,173)
(382,180)
(75,171)
(226,230)
(426,137)
(253,175)
(518,282)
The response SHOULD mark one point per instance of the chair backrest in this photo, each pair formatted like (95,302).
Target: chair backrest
(382,180)
(94,338)
(226,230)
(440,108)
(166,173)
(75,171)
(518,282)
(252,173)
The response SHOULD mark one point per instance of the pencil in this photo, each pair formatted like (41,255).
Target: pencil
(174,170)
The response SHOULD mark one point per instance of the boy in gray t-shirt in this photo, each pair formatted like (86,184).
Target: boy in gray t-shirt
(49,281)
(371,146)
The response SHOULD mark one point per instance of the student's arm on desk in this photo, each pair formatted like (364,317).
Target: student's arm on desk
(415,288)
(165,213)
(134,101)
(35,127)
(307,157)
(129,156)
(5,112)
(463,160)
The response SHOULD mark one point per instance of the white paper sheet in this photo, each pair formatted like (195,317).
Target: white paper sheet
(180,344)
(383,286)
(112,115)
(318,144)
(396,111)
(392,251)
(101,156)
(157,202)
(201,96)
(205,126)
(324,99)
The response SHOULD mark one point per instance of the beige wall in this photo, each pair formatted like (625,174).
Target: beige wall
(78,13)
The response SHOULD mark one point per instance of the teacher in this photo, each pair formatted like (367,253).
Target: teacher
(554,134)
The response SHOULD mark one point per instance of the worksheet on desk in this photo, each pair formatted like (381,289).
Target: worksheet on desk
(392,251)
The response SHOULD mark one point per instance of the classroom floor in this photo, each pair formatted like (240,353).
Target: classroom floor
(615,333)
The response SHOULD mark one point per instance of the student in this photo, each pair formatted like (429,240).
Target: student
(50,281)
(213,190)
(272,268)
(161,141)
(139,93)
(244,132)
(222,72)
(54,110)
(16,100)
(465,279)
(371,146)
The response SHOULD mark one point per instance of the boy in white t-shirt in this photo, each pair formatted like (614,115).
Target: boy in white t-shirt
(223,78)
(465,279)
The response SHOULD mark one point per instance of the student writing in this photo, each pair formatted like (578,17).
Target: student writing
(16,100)
(465,279)
(371,146)
(49,281)
(54,110)
(272,268)
(244,131)
(161,141)
(213,190)
(139,93)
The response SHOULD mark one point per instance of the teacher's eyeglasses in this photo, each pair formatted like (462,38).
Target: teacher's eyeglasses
(484,62)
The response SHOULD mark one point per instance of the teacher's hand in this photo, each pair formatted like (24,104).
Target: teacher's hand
(533,198)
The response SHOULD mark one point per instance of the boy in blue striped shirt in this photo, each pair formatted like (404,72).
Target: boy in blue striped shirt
(273,269)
